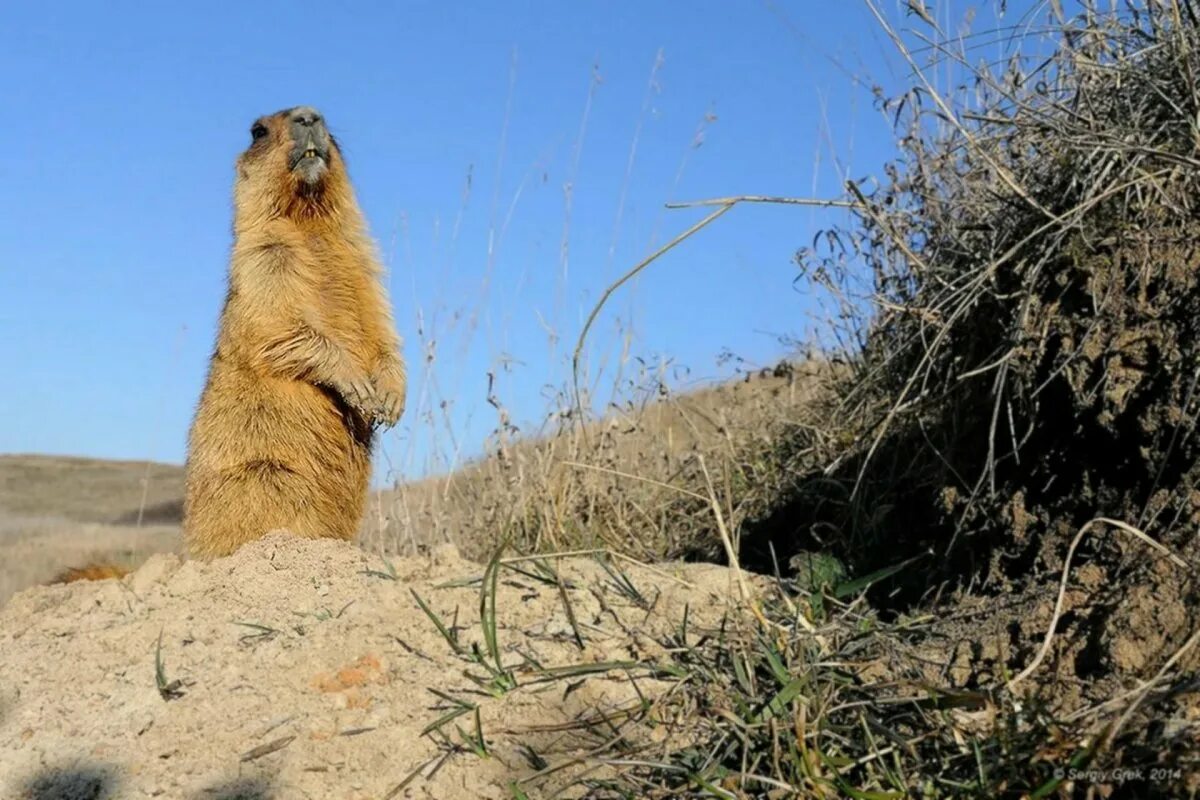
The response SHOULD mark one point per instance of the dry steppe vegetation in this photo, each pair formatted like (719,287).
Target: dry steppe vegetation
(977,517)
(986,498)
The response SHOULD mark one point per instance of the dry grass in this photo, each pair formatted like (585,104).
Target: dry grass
(629,482)
(1019,310)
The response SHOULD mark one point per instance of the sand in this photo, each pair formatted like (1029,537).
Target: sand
(303,669)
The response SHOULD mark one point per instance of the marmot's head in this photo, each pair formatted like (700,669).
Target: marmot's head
(292,164)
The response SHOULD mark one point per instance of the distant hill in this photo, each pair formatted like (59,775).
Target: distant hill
(62,511)
(90,489)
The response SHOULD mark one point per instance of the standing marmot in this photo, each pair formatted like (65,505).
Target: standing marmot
(307,360)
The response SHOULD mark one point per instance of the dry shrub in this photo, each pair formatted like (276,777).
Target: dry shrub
(1031,364)
(1034,356)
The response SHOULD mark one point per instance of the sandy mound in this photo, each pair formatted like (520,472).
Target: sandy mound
(304,668)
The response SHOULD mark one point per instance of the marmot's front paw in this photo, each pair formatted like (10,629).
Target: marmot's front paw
(359,394)
(390,386)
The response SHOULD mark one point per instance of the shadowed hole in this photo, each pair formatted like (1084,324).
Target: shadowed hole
(80,782)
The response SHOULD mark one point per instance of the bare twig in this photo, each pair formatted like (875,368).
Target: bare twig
(754,198)
(641,265)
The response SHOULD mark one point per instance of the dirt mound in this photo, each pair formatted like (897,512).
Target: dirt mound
(301,668)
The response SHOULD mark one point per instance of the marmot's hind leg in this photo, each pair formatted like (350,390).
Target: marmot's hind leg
(243,503)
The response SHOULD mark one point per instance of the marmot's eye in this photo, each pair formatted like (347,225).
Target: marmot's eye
(258,132)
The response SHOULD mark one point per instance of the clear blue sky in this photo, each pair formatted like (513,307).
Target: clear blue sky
(121,122)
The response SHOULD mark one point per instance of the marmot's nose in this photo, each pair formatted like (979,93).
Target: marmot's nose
(306,116)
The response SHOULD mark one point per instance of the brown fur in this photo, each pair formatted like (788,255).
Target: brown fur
(92,572)
(307,362)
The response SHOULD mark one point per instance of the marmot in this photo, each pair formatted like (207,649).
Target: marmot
(307,362)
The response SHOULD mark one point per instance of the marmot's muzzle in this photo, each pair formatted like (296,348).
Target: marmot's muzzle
(310,143)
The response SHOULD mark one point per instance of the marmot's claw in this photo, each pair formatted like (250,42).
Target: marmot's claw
(391,406)
(359,395)
(388,385)
(364,393)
